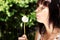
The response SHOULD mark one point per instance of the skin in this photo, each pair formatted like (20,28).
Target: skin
(24,37)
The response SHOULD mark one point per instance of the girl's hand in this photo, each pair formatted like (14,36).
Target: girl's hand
(24,37)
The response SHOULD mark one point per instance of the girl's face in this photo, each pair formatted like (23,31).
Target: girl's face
(42,13)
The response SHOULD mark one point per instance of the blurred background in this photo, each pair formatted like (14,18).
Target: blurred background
(11,25)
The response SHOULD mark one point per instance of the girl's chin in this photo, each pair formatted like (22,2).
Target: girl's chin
(39,21)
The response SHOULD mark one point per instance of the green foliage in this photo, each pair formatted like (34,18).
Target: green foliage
(11,12)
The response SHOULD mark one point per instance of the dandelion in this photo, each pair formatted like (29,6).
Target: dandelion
(24,19)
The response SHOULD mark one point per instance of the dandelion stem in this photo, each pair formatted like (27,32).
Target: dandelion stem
(24,27)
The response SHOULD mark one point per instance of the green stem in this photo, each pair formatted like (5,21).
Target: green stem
(24,27)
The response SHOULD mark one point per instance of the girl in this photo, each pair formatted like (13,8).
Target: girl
(47,13)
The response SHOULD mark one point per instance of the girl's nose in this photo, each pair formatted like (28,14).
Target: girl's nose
(36,10)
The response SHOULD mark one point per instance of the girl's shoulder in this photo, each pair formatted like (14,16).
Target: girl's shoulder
(58,36)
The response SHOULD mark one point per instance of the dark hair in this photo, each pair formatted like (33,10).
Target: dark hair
(45,3)
(54,15)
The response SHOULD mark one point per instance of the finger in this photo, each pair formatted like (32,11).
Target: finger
(21,38)
(24,36)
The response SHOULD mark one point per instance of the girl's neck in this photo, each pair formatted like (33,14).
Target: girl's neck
(49,27)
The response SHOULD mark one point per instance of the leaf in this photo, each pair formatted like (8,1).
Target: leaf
(21,25)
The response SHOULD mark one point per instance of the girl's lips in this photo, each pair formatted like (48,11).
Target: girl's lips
(38,16)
